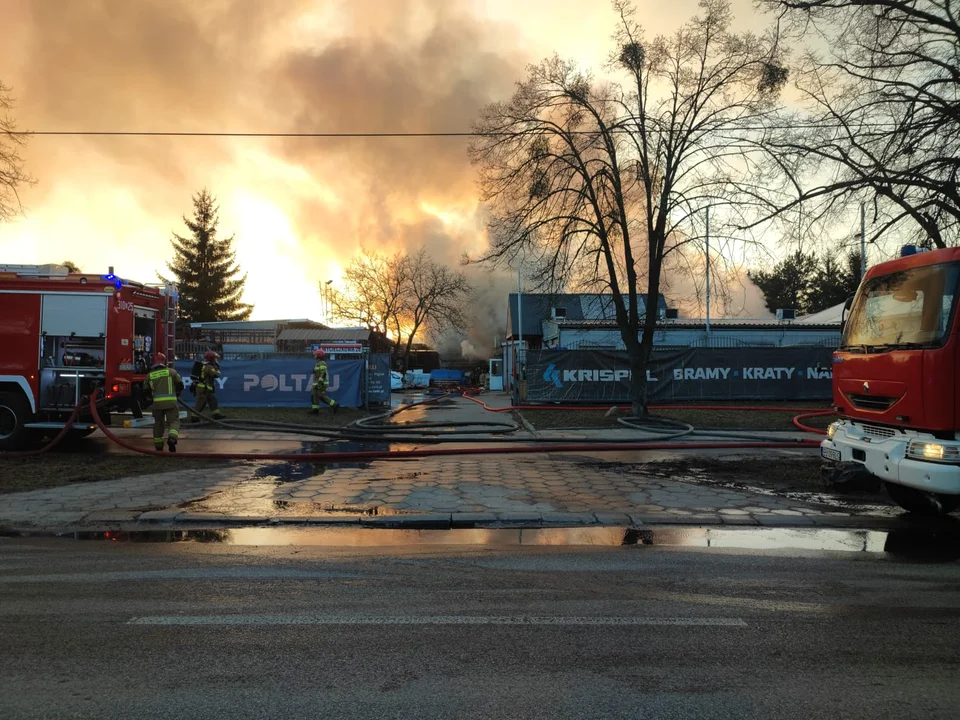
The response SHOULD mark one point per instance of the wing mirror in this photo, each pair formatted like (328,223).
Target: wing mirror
(848,303)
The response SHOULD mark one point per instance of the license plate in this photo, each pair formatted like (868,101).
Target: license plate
(830,454)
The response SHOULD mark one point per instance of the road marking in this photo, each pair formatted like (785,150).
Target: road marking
(429,620)
(237,573)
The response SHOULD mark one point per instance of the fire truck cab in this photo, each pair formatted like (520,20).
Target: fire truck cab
(896,384)
(64,335)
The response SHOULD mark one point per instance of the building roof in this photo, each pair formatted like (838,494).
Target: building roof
(320,335)
(733,323)
(578,306)
(247,324)
(832,316)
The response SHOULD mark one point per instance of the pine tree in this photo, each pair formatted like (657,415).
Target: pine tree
(205,268)
(788,284)
(809,283)
(835,279)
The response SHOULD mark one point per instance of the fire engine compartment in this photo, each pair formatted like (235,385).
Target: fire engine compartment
(73,348)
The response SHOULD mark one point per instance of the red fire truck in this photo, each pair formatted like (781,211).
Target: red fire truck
(64,335)
(896,384)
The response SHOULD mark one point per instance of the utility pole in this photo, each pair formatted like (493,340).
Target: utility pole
(516,368)
(325,300)
(708,269)
(863,240)
(519,312)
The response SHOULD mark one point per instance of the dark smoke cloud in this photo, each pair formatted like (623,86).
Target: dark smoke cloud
(249,65)
(383,81)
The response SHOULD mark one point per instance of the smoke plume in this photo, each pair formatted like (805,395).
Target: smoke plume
(300,207)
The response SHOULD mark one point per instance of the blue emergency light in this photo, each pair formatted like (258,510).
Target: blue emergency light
(111,278)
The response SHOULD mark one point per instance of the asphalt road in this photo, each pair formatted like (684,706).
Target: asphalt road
(99,629)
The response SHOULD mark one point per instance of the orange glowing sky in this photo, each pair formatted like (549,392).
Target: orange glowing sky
(300,208)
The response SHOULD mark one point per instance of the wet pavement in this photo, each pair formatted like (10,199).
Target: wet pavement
(547,489)
(551,489)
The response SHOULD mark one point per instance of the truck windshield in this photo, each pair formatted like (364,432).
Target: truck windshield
(906,309)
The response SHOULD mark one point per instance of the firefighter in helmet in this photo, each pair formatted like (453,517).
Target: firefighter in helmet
(164,385)
(206,387)
(321,381)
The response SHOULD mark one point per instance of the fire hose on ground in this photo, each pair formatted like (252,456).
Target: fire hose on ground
(67,427)
(662,429)
(434,452)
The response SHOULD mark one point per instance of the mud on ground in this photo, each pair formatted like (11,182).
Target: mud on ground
(797,478)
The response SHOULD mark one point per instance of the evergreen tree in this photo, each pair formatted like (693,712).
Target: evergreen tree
(205,268)
(788,284)
(808,283)
(834,280)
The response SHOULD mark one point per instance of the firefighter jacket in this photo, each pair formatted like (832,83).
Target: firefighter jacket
(321,376)
(165,385)
(208,374)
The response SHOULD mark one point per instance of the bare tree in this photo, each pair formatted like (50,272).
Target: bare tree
(435,298)
(374,294)
(12,175)
(402,296)
(880,121)
(598,183)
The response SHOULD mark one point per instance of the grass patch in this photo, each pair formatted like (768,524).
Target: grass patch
(703,419)
(56,469)
(299,416)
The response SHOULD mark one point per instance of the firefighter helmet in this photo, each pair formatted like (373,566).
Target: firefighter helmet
(210,356)
(318,353)
(159,360)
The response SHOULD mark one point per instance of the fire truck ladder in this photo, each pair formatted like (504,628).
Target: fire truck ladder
(169,318)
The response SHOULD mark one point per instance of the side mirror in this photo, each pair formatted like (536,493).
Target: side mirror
(848,303)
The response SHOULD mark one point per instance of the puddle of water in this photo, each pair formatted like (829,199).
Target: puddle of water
(823,499)
(256,498)
(941,544)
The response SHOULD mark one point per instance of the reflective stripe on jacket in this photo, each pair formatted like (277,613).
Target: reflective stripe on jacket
(321,375)
(164,385)
(208,374)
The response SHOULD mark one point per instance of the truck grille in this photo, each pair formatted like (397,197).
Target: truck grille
(872,402)
(880,432)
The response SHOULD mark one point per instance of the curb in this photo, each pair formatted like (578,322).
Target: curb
(180,519)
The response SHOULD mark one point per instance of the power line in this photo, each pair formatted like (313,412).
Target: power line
(188,133)
(429,134)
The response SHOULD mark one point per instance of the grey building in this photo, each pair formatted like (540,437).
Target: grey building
(535,309)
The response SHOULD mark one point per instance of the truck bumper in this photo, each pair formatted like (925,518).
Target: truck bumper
(886,459)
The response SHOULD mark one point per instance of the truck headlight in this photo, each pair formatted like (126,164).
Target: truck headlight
(933,452)
(831,430)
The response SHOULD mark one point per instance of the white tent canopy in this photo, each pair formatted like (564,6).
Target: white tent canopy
(830,316)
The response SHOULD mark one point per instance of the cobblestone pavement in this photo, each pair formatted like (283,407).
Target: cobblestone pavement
(527,490)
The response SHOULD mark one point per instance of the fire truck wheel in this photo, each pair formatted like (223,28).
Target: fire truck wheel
(920,502)
(14,412)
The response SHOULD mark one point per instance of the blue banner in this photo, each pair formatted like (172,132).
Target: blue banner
(280,382)
(744,373)
(378,384)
